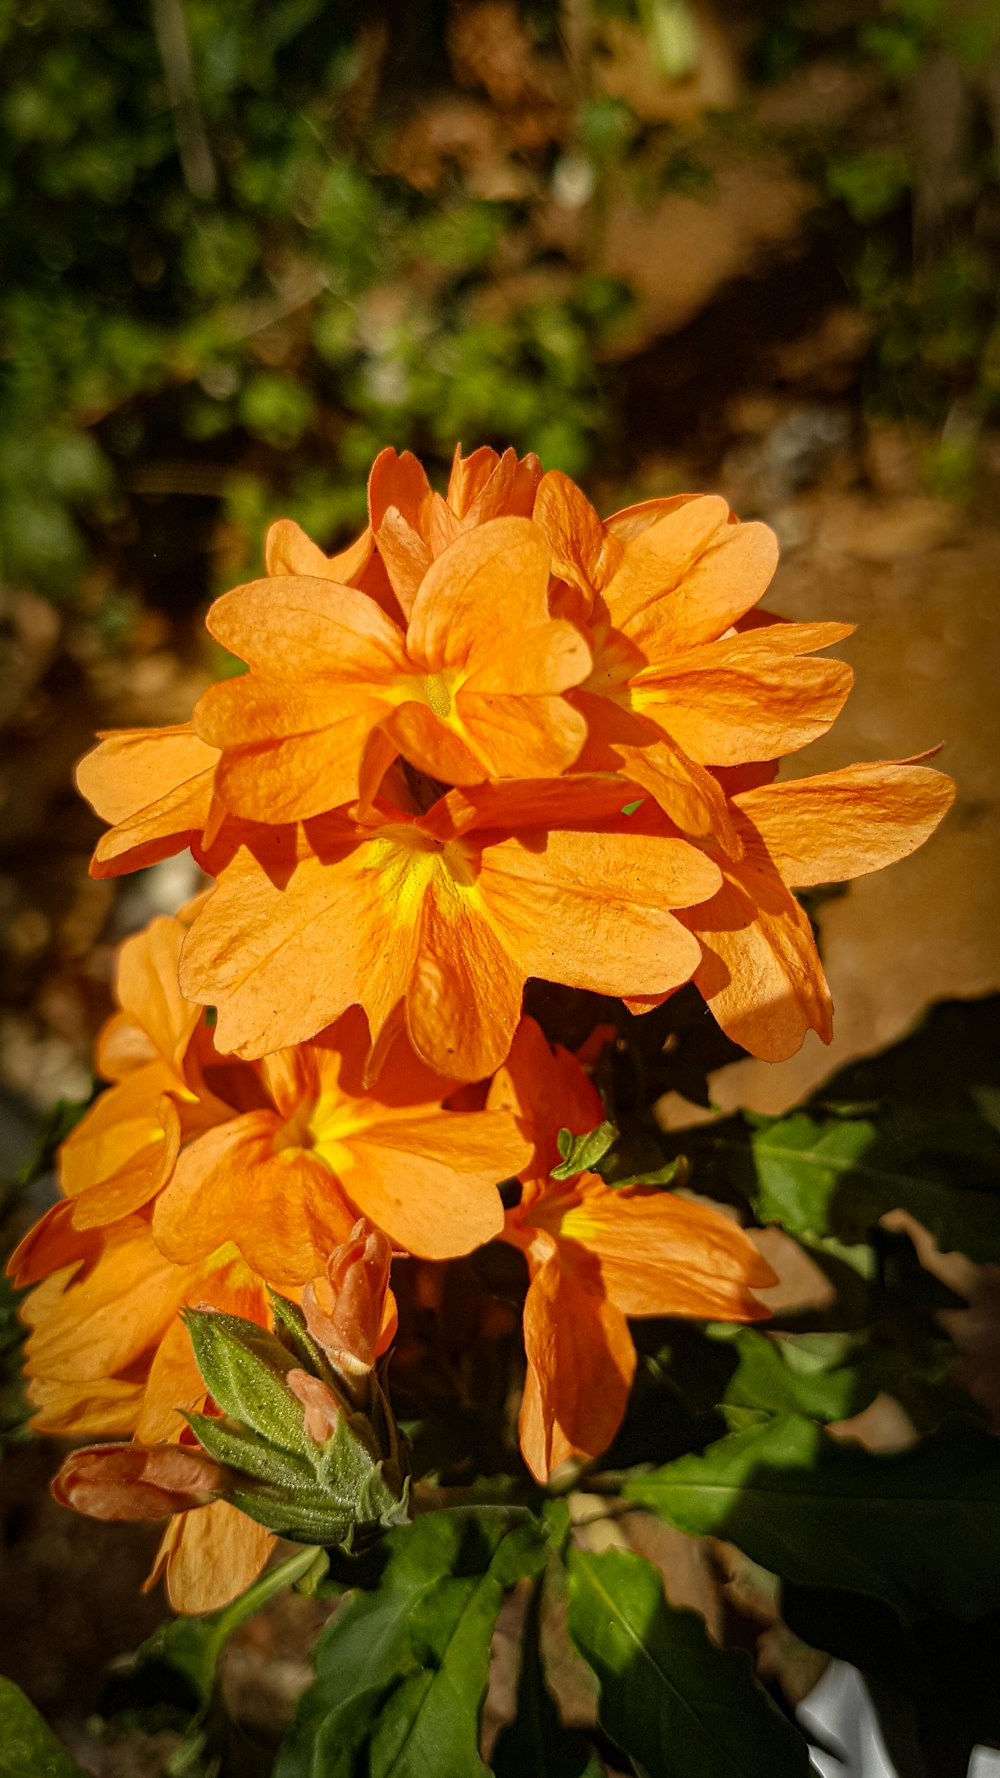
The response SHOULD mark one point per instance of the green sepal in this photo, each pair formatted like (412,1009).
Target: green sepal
(244,1368)
(291,1330)
(227,1443)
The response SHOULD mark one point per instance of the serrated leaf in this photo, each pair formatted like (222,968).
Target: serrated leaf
(677,1703)
(401,1671)
(919,1529)
(580,1154)
(28,1748)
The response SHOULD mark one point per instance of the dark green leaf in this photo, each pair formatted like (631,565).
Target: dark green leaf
(401,1671)
(28,1748)
(676,1702)
(918,1529)
(822,1175)
(244,1368)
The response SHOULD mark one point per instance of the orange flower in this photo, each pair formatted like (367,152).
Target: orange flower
(438,920)
(674,688)
(469,691)
(597,1255)
(278,1157)
(108,1356)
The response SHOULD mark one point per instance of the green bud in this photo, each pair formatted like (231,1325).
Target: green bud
(301,1457)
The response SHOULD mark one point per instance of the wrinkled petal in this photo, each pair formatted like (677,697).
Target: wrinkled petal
(287,550)
(155,786)
(210,1557)
(846,823)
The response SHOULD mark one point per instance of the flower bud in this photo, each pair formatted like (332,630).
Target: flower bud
(118,1482)
(322,1409)
(343,1309)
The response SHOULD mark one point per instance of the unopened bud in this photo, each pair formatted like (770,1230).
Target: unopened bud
(119,1482)
(344,1308)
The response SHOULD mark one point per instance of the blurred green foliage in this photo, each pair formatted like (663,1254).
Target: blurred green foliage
(206,259)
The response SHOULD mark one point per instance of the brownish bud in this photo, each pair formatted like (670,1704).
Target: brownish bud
(137,1482)
(343,1309)
(321,1405)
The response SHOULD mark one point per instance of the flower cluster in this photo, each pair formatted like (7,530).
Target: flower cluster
(496,738)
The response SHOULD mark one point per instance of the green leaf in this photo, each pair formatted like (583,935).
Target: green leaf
(537,1744)
(822,1175)
(401,1670)
(918,1529)
(28,1748)
(677,1703)
(580,1154)
(826,1376)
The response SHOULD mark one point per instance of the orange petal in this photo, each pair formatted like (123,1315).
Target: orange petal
(155,785)
(760,970)
(282,1210)
(583,552)
(398,481)
(658,562)
(123,1148)
(494,577)
(147,988)
(742,706)
(618,740)
(536,737)
(719,584)
(281,623)
(581,1362)
(210,1557)
(846,823)
(547,1090)
(49,1245)
(289,756)
(659,1254)
(281,963)
(431,1182)
(100,1407)
(428,743)
(592,909)
(549,657)
(100,1324)
(631,521)
(406,555)
(464,997)
(287,550)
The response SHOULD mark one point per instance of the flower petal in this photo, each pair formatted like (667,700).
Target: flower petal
(591,909)
(583,552)
(209,1557)
(287,550)
(431,1182)
(743,704)
(659,561)
(282,963)
(716,582)
(581,1362)
(155,786)
(279,624)
(495,577)
(282,1210)
(464,998)
(660,1254)
(846,823)
(760,970)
